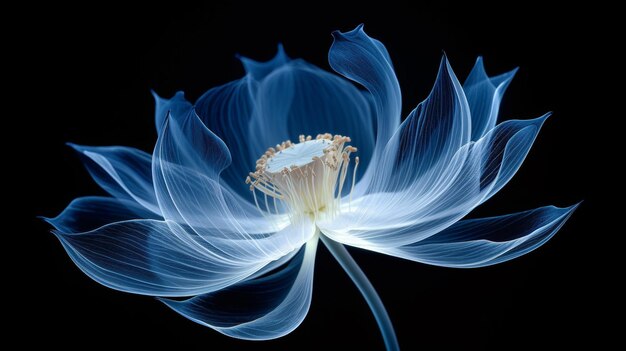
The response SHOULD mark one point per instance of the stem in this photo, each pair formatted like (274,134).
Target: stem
(367,290)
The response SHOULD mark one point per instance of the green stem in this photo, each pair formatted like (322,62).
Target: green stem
(367,290)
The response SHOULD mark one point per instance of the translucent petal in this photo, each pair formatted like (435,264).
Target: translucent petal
(421,151)
(177,104)
(508,145)
(481,242)
(123,172)
(484,95)
(366,61)
(299,98)
(153,257)
(187,162)
(264,308)
(391,219)
(88,213)
(259,70)
(226,111)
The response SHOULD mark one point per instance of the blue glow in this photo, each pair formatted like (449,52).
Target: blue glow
(181,222)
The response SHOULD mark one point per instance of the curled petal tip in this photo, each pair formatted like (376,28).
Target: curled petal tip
(358,29)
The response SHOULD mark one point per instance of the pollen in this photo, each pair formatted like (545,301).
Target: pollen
(306,178)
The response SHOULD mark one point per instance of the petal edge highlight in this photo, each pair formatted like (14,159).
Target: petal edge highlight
(487,241)
(280,302)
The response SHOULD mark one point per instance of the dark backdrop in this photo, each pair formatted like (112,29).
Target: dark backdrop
(110,57)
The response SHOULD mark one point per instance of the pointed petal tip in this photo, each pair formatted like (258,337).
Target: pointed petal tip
(76,147)
(575,206)
(543,118)
(158,98)
(537,121)
(280,49)
(48,220)
(503,80)
(260,69)
(444,66)
(178,95)
(566,210)
(444,59)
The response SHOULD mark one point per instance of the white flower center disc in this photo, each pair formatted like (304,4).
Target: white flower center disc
(298,155)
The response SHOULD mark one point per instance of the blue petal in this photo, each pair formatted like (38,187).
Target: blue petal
(260,309)
(177,104)
(299,98)
(505,149)
(487,241)
(484,95)
(88,213)
(428,140)
(366,61)
(187,163)
(417,211)
(123,172)
(259,70)
(153,258)
(226,111)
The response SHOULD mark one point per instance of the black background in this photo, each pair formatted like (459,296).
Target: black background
(110,57)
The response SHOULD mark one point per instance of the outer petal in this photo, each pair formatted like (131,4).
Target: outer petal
(154,258)
(177,105)
(259,309)
(299,98)
(187,162)
(88,213)
(392,219)
(484,95)
(486,241)
(366,61)
(124,172)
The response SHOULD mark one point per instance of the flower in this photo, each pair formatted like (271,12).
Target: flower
(200,217)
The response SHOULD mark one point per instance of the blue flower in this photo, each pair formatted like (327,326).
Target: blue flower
(215,215)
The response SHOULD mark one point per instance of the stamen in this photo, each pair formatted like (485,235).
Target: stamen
(307,176)
(356,165)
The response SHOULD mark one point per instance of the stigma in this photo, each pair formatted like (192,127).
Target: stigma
(306,178)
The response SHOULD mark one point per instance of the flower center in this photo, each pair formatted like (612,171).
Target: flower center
(307,176)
